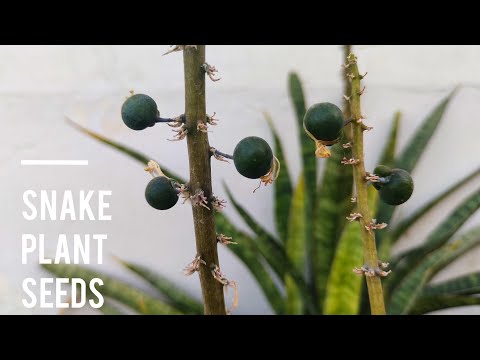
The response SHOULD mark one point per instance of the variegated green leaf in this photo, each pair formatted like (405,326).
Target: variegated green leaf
(247,251)
(108,308)
(332,206)
(134,154)
(282,186)
(440,235)
(427,304)
(176,296)
(409,157)
(463,285)
(309,160)
(274,253)
(115,289)
(388,153)
(410,288)
(343,290)
(295,247)
(308,146)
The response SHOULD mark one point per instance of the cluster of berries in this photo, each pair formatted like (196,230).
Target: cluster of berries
(324,122)
(253,157)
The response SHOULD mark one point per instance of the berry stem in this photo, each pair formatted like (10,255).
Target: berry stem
(374,284)
(201,178)
(166,120)
(226,156)
(162,120)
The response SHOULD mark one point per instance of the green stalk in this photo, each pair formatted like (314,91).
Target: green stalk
(375,292)
(347,85)
(201,178)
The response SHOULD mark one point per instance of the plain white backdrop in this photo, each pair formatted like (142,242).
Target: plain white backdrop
(40,85)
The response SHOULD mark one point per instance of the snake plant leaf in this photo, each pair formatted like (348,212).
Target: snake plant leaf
(273,252)
(308,146)
(427,304)
(247,251)
(388,153)
(282,186)
(463,285)
(108,308)
(298,97)
(175,296)
(405,224)
(410,288)
(115,289)
(412,152)
(271,249)
(446,229)
(309,160)
(251,222)
(439,236)
(344,288)
(295,248)
(329,215)
(132,153)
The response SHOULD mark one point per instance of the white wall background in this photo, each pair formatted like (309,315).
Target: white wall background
(39,85)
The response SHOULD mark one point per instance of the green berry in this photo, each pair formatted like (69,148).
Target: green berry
(139,112)
(324,121)
(161,194)
(398,187)
(253,157)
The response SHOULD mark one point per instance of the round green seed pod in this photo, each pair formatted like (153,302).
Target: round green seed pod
(324,121)
(398,188)
(161,194)
(139,112)
(253,157)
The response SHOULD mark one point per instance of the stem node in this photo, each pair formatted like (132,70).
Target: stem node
(211,71)
(194,266)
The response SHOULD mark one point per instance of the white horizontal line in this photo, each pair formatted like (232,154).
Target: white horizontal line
(55,162)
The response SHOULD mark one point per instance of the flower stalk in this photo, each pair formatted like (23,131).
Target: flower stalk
(374,284)
(201,178)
